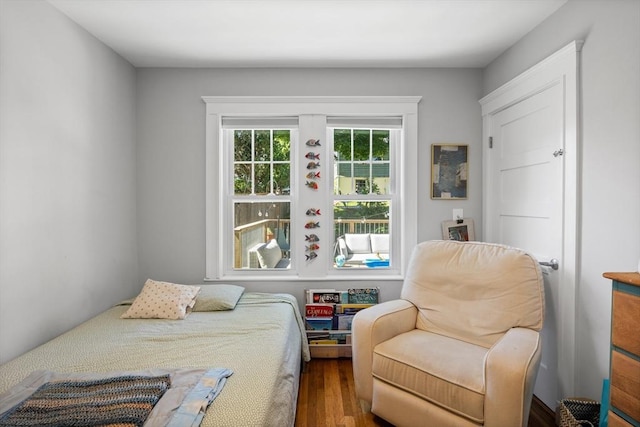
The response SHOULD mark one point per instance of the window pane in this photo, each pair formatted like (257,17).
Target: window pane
(361,173)
(380,143)
(361,233)
(362,186)
(381,180)
(342,181)
(281,145)
(263,178)
(342,144)
(242,145)
(256,224)
(242,178)
(263,146)
(361,144)
(281,178)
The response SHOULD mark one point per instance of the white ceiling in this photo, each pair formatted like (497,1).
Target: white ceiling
(308,33)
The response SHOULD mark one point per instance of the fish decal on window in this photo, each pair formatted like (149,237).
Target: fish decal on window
(313,175)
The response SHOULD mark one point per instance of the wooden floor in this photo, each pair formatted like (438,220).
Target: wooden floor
(327,398)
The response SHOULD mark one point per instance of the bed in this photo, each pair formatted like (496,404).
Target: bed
(260,340)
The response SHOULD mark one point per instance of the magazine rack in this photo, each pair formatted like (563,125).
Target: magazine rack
(328,317)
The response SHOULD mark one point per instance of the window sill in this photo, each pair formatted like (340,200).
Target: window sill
(289,278)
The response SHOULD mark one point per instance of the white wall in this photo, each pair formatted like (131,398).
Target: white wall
(171,148)
(610,129)
(67,176)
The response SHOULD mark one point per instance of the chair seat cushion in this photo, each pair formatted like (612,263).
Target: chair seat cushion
(445,371)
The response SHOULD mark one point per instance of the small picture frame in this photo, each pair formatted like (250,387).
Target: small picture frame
(461,230)
(449,171)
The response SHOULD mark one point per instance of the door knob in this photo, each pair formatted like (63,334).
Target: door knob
(553,263)
(559,152)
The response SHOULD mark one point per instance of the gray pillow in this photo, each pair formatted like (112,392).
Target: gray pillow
(218,297)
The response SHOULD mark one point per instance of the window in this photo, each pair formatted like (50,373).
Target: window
(259,193)
(281,207)
(363,198)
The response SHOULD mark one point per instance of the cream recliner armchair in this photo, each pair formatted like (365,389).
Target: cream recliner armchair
(461,347)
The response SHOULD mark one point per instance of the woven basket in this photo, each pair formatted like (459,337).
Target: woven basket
(579,413)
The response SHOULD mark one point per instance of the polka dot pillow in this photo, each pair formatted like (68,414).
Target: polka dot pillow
(162,300)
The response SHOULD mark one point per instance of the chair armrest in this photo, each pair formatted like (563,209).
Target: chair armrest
(511,367)
(370,327)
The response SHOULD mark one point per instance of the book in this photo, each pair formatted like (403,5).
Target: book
(323,342)
(319,323)
(326,297)
(350,308)
(344,297)
(342,338)
(318,335)
(363,296)
(313,295)
(319,310)
(343,321)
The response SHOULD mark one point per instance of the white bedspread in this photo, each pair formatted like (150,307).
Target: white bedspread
(261,341)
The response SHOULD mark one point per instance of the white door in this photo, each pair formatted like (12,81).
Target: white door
(530,196)
(527,203)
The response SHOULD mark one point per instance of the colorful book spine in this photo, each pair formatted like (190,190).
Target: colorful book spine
(350,308)
(319,323)
(319,310)
(326,297)
(363,296)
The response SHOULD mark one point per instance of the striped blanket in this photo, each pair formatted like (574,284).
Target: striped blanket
(150,398)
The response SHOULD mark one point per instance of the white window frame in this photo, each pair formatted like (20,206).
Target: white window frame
(312,113)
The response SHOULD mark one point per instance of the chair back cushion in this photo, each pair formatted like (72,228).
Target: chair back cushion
(270,254)
(379,243)
(358,243)
(474,291)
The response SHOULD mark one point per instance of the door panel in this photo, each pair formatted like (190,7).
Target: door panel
(527,202)
(531,197)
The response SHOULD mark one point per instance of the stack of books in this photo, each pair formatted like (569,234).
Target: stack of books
(329,313)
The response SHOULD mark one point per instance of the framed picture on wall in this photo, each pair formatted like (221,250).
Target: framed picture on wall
(449,171)
(461,230)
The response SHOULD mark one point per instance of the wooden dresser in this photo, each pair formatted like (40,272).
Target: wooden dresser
(624,405)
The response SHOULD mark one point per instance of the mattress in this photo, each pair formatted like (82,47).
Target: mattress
(260,341)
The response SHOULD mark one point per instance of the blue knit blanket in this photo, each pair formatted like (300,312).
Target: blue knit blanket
(49,399)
